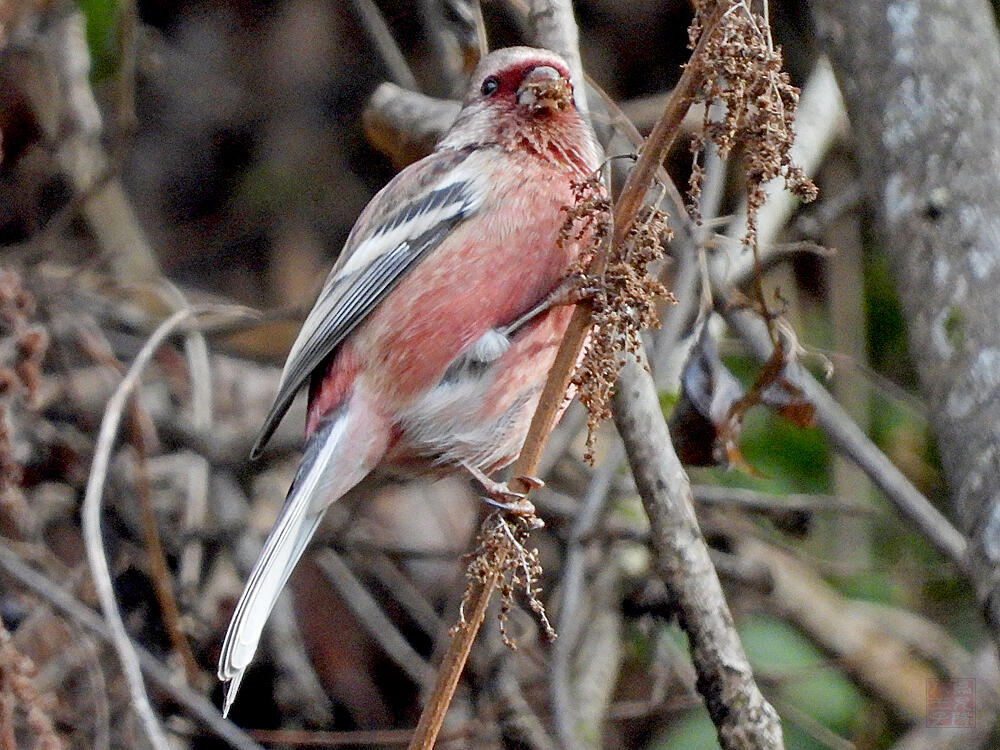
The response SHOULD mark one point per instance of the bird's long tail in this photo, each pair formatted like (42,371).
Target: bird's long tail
(331,465)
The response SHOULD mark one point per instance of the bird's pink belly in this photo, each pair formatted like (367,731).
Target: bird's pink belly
(479,421)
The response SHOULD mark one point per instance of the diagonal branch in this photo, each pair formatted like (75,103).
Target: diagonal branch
(742,716)
(627,207)
(91,518)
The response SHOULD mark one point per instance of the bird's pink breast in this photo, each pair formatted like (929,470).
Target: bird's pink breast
(485,274)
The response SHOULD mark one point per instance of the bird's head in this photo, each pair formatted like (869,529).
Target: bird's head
(534,82)
(520,97)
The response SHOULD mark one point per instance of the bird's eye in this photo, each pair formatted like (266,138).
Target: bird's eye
(490,86)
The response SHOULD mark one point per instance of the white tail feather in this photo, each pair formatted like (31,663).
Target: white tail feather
(319,482)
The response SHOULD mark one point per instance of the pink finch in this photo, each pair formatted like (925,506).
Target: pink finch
(432,337)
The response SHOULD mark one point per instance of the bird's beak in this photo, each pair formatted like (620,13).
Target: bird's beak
(544,88)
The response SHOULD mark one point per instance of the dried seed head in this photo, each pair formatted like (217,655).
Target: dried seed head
(743,73)
(625,302)
(502,549)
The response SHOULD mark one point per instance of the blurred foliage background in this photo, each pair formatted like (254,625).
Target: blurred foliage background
(235,130)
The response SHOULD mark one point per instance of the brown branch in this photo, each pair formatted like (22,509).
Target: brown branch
(743,718)
(627,207)
(158,570)
(452,665)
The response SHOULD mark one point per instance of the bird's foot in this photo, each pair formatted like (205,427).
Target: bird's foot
(571,290)
(500,495)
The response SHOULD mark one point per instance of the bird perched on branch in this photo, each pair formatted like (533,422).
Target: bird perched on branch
(431,339)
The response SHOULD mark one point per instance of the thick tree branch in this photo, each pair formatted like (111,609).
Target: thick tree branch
(743,718)
(920,81)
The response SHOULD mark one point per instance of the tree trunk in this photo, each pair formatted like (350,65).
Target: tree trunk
(921,79)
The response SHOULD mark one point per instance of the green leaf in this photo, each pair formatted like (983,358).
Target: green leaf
(814,687)
(103,19)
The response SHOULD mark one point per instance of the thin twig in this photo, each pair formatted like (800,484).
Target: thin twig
(199,368)
(192,555)
(600,649)
(141,424)
(159,572)
(432,717)
(626,209)
(63,601)
(368,612)
(91,521)
(300,687)
(869,653)
(91,517)
(743,718)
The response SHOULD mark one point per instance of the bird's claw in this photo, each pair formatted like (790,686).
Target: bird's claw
(532,483)
(519,507)
(570,291)
(500,495)
(586,293)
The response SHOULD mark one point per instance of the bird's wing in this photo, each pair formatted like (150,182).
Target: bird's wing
(404,222)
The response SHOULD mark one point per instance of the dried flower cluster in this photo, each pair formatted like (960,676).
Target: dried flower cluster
(23,344)
(623,296)
(501,547)
(588,222)
(18,694)
(743,73)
